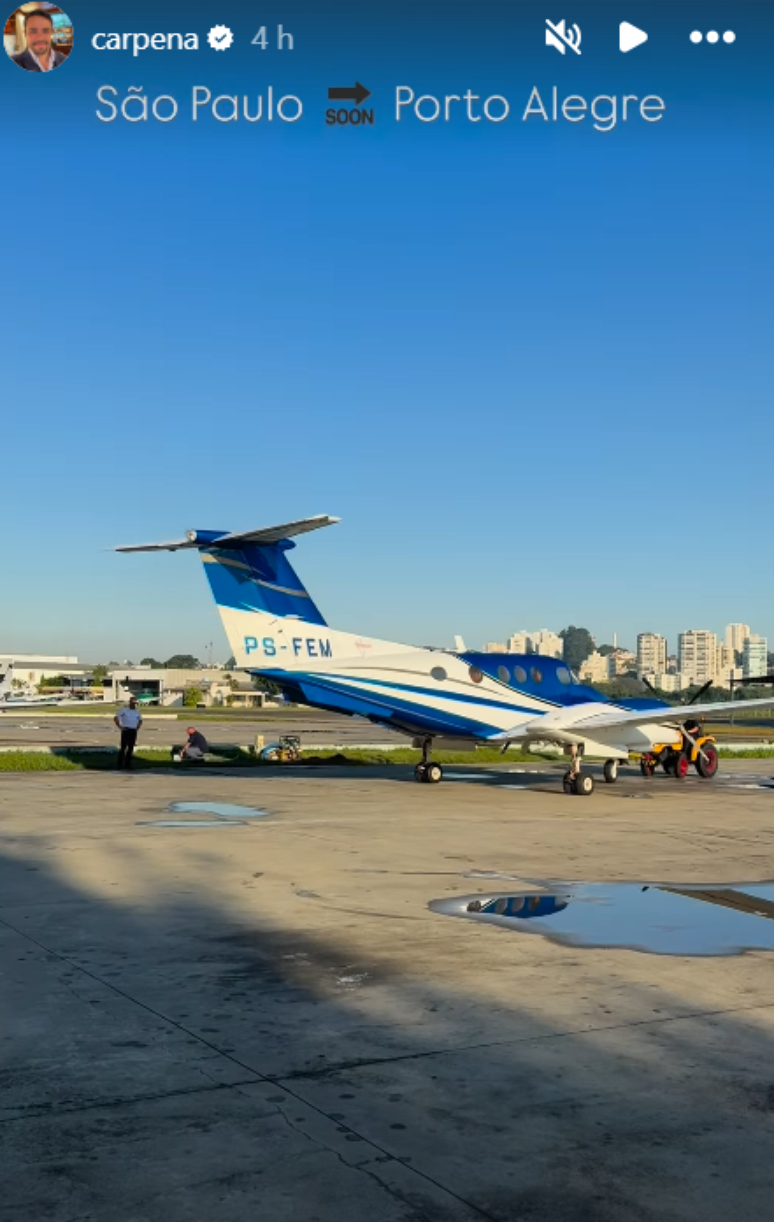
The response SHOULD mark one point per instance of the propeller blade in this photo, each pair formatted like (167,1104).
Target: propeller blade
(687,734)
(700,692)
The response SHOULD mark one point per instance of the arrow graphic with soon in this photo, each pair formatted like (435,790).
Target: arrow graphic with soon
(356,93)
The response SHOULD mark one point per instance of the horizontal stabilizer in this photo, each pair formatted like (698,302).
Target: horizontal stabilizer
(233,541)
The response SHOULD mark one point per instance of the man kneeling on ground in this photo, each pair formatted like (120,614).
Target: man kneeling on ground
(195,746)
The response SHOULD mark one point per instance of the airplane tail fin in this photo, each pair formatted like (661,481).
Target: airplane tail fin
(250,576)
(6,682)
(259,577)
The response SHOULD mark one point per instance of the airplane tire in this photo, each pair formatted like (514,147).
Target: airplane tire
(419,773)
(680,766)
(707,767)
(433,773)
(568,783)
(611,771)
(584,784)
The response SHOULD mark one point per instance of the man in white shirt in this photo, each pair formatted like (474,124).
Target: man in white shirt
(40,55)
(128,720)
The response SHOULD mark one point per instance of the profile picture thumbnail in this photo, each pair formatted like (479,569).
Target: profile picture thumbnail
(38,37)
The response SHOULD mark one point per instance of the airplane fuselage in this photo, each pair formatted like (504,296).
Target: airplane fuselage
(434,692)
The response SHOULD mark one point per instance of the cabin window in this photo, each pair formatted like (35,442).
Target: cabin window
(563,674)
(503,674)
(537,675)
(439,673)
(475,674)
(520,674)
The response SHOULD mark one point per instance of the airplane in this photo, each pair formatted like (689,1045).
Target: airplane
(437,697)
(9,699)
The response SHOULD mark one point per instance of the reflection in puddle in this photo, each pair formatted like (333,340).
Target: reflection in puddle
(656,918)
(525,907)
(227,814)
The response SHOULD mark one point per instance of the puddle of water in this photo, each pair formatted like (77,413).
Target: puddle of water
(655,918)
(193,823)
(491,874)
(227,810)
(466,776)
(227,814)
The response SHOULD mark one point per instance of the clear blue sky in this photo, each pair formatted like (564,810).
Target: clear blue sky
(529,365)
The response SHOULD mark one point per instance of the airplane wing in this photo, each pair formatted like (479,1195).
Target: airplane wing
(585,719)
(677,713)
(214,538)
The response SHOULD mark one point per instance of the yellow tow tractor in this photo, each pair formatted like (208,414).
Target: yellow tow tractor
(695,748)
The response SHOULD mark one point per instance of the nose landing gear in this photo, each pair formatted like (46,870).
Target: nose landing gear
(575,781)
(580,783)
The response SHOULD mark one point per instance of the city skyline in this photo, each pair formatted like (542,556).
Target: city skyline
(616,642)
(216,645)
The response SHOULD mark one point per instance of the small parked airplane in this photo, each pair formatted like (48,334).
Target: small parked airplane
(11,699)
(275,630)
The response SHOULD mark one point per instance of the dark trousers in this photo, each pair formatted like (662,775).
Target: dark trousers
(126,750)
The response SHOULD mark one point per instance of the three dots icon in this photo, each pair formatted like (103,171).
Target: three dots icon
(712,36)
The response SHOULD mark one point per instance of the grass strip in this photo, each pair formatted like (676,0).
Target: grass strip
(65,760)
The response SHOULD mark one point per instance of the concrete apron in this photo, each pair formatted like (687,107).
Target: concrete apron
(208,1022)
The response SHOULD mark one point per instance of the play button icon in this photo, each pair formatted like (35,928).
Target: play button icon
(631,37)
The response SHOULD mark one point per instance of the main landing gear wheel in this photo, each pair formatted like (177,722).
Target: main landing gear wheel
(426,771)
(611,771)
(707,763)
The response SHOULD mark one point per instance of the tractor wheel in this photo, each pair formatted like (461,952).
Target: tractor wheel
(680,765)
(707,764)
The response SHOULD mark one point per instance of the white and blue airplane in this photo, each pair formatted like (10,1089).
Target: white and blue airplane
(275,630)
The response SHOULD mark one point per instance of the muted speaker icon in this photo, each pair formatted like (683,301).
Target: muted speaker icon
(560,37)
